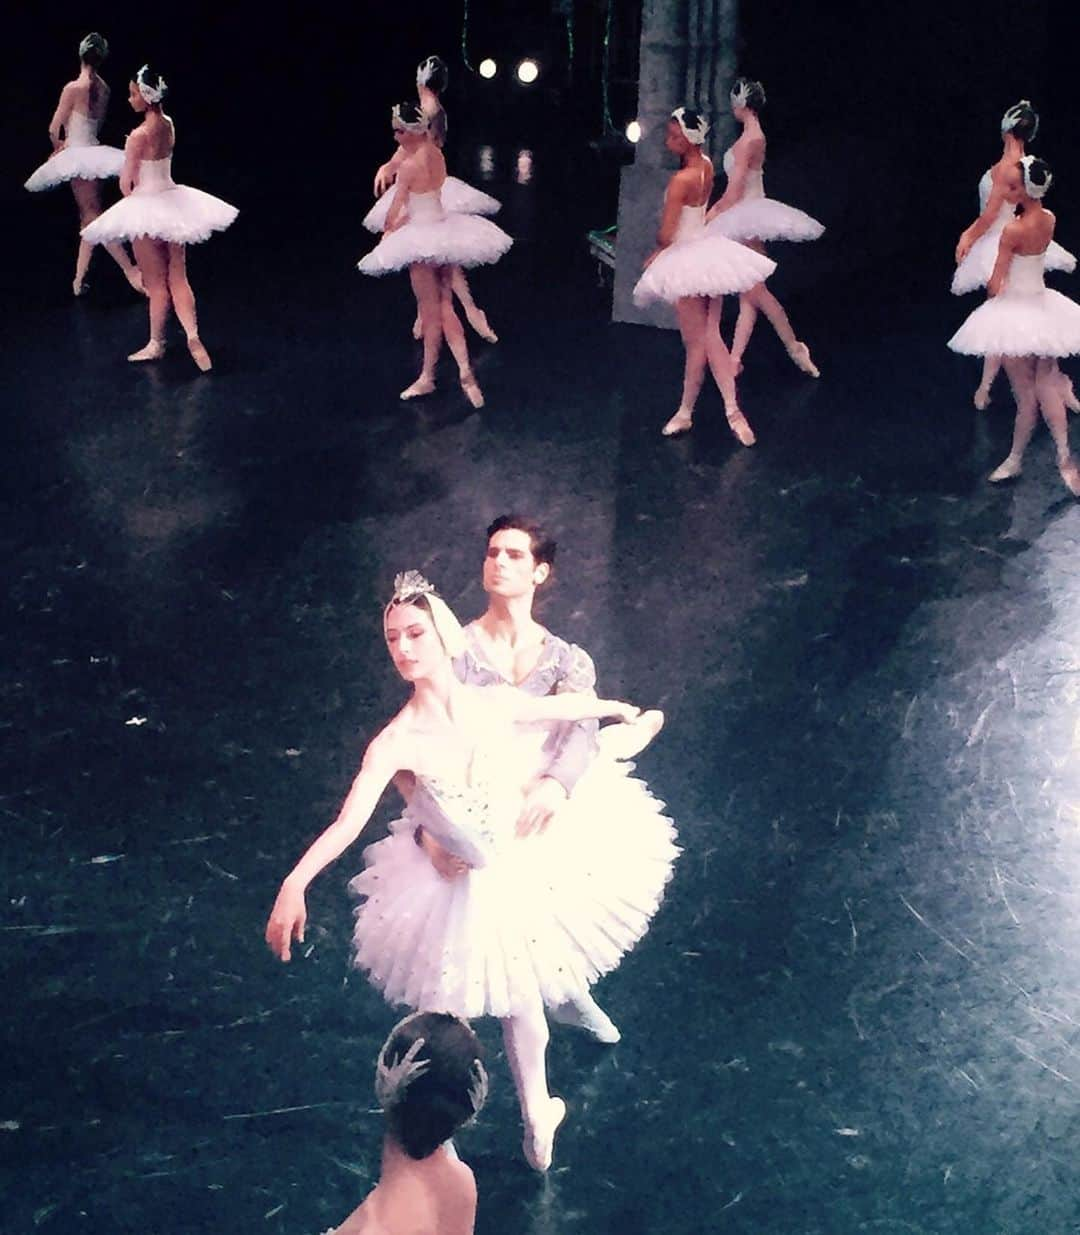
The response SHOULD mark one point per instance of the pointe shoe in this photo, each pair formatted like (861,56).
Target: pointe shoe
(800,354)
(422,386)
(479,322)
(1007,470)
(1070,475)
(199,354)
(588,1015)
(418,329)
(681,422)
(471,389)
(539,1143)
(982,398)
(627,740)
(740,426)
(154,350)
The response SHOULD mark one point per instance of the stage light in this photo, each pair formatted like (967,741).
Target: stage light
(527,72)
(488,69)
(633,132)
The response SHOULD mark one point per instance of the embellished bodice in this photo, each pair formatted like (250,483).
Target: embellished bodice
(426,207)
(755,180)
(475,818)
(155,175)
(81,129)
(1025,277)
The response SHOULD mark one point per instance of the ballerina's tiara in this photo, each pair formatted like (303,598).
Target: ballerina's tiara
(411,583)
(419,125)
(694,126)
(743,90)
(1035,188)
(151,94)
(1016,113)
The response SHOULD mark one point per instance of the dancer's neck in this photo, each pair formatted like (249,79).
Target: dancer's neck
(435,694)
(509,619)
(1013,149)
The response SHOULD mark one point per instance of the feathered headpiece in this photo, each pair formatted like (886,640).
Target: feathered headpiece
(1037,176)
(151,93)
(694,126)
(392,1080)
(1017,114)
(409,117)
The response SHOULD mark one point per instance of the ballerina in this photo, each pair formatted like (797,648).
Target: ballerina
(745,214)
(506,646)
(422,237)
(694,271)
(977,248)
(432,77)
(533,921)
(160,218)
(430,1082)
(1027,324)
(80,161)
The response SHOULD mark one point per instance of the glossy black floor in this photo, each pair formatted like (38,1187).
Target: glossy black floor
(857,1010)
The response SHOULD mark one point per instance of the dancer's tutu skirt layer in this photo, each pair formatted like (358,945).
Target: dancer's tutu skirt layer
(1045,323)
(975,270)
(77,163)
(763,218)
(704,266)
(453,240)
(547,916)
(177,215)
(457,198)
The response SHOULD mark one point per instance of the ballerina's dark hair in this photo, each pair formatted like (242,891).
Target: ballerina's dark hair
(435,1103)
(409,113)
(541,544)
(753,93)
(436,74)
(1022,120)
(94,49)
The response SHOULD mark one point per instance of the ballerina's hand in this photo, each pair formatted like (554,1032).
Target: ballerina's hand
(962,249)
(287,921)
(541,802)
(447,864)
(384,178)
(625,712)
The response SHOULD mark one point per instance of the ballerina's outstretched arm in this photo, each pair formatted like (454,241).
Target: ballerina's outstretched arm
(567,707)
(289,914)
(983,223)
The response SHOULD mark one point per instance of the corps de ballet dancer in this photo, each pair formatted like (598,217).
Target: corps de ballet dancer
(745,214)
(1027,324)
(78,159)
(507,646)
(422,237)
(160,218)
(430,1082)
(432,78)
(694,271)
(533,921)
(977,248)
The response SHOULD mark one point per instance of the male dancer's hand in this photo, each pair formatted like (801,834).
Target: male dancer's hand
(541,802)
(447,864)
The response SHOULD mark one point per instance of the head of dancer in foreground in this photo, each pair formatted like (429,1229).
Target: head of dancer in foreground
(430,1082)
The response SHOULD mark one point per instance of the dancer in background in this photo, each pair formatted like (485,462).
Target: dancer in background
(430,1082)
(160,219)
(533,921)
(745,214)
(977,249)
(457,196)
(694,271)
(1027,324)
(78,159)
(423,238)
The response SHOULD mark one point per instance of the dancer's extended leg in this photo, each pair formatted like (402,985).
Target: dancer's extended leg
(991,366)
(474,315)
(183,299)
(1048,389)
(583,1012)
(88,201)
(526,1039)
(1021,374)
(425,285)
(744,328)
(153,260)
(722,366)
(455,337)
(764,301)
(692,313)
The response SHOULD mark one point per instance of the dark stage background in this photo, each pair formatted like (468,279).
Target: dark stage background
(856,1011)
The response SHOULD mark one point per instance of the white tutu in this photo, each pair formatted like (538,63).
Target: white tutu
(697,264)
(1025,319)
(162,210)
(975,270)
(763,218)
(81,158)
(543,915)
(457,198)
(433,237)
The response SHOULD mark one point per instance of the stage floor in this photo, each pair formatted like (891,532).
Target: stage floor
(857,1010)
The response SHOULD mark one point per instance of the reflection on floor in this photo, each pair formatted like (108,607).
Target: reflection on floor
(858,1009)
